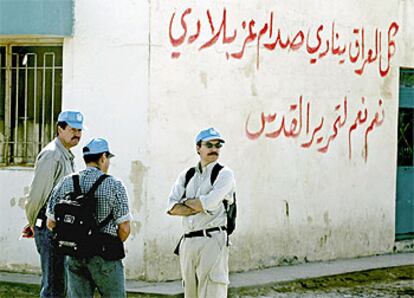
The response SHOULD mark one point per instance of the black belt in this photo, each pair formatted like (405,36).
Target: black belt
(204,233)
(200,233)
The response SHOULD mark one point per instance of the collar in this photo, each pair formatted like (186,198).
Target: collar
(66,152)
(93,169)
(208,167)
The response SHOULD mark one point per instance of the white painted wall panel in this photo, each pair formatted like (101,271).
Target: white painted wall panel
(296,204)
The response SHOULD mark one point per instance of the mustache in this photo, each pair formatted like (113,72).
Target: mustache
(212,153)
(76,138)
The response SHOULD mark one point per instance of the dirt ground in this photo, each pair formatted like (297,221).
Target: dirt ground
(390,282)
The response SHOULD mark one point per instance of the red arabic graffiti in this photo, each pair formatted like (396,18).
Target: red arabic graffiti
(298,123)
(325,41)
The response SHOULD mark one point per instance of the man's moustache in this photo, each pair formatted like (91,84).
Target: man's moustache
(213,153)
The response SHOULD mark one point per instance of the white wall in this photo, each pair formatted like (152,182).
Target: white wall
(106,77)
(406,10)
(15,254)
(295,204)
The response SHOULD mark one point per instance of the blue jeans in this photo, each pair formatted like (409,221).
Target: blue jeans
(53,265)
(86,274)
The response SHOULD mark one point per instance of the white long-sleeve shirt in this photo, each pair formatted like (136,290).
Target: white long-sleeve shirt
(211,197)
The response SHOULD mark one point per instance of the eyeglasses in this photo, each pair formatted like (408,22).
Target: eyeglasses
(211,145)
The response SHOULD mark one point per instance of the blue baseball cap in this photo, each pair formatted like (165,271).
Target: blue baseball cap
(72,118)
(96,146)
(208,135)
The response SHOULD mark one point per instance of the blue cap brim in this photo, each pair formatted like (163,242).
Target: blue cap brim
(76,125)
(213,138)
(92,153)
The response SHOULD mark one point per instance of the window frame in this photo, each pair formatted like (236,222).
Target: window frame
(8,43)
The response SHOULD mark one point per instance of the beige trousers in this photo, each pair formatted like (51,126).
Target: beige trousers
(204,266)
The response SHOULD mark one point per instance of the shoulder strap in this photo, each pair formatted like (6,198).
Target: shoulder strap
(105,221)
(214,172)
(76,186)
(96,184)
(190,173)
(92,191)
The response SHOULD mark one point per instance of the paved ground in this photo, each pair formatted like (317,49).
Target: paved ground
(377,276)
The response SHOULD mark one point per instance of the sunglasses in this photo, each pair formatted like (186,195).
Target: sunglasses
(211,145)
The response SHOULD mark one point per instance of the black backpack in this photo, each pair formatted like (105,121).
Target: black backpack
(77,229)
(231,210)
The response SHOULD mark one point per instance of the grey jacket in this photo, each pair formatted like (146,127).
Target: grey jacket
(52,163)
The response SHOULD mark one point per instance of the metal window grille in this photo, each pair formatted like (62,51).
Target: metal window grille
(406,119)
(30,101)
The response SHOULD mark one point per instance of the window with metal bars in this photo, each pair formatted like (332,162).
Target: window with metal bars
(30,100)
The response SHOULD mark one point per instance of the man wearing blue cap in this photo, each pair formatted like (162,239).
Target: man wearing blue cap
(104,272)
(198,199)
(53,162)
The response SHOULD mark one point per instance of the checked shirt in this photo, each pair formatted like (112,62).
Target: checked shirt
(111,196)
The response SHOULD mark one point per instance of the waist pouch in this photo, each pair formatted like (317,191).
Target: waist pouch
(111,248)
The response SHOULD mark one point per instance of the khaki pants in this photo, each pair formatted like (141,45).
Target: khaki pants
(204,266)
